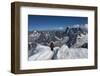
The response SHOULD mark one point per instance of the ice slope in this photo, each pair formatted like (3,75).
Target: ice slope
(43,53)
(72,53)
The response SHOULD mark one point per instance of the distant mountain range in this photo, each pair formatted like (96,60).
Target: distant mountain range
(73,36)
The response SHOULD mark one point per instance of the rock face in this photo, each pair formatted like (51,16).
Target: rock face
(70,38)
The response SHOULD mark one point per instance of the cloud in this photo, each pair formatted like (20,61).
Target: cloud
(60,28)
(86,26)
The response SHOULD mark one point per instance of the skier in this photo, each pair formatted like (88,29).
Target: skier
(51,45)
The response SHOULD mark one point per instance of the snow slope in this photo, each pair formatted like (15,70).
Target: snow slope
(45,53)
(72,53)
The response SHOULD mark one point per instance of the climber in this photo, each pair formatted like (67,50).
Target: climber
(52,45)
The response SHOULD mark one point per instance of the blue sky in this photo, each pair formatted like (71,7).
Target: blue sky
(40,22)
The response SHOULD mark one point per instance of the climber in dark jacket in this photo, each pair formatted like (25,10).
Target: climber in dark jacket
(52,45)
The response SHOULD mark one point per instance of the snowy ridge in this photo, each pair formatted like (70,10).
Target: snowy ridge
(81,40)
(44,53)
(72,53)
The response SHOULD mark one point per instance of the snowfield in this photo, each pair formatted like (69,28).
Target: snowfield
(45,53)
